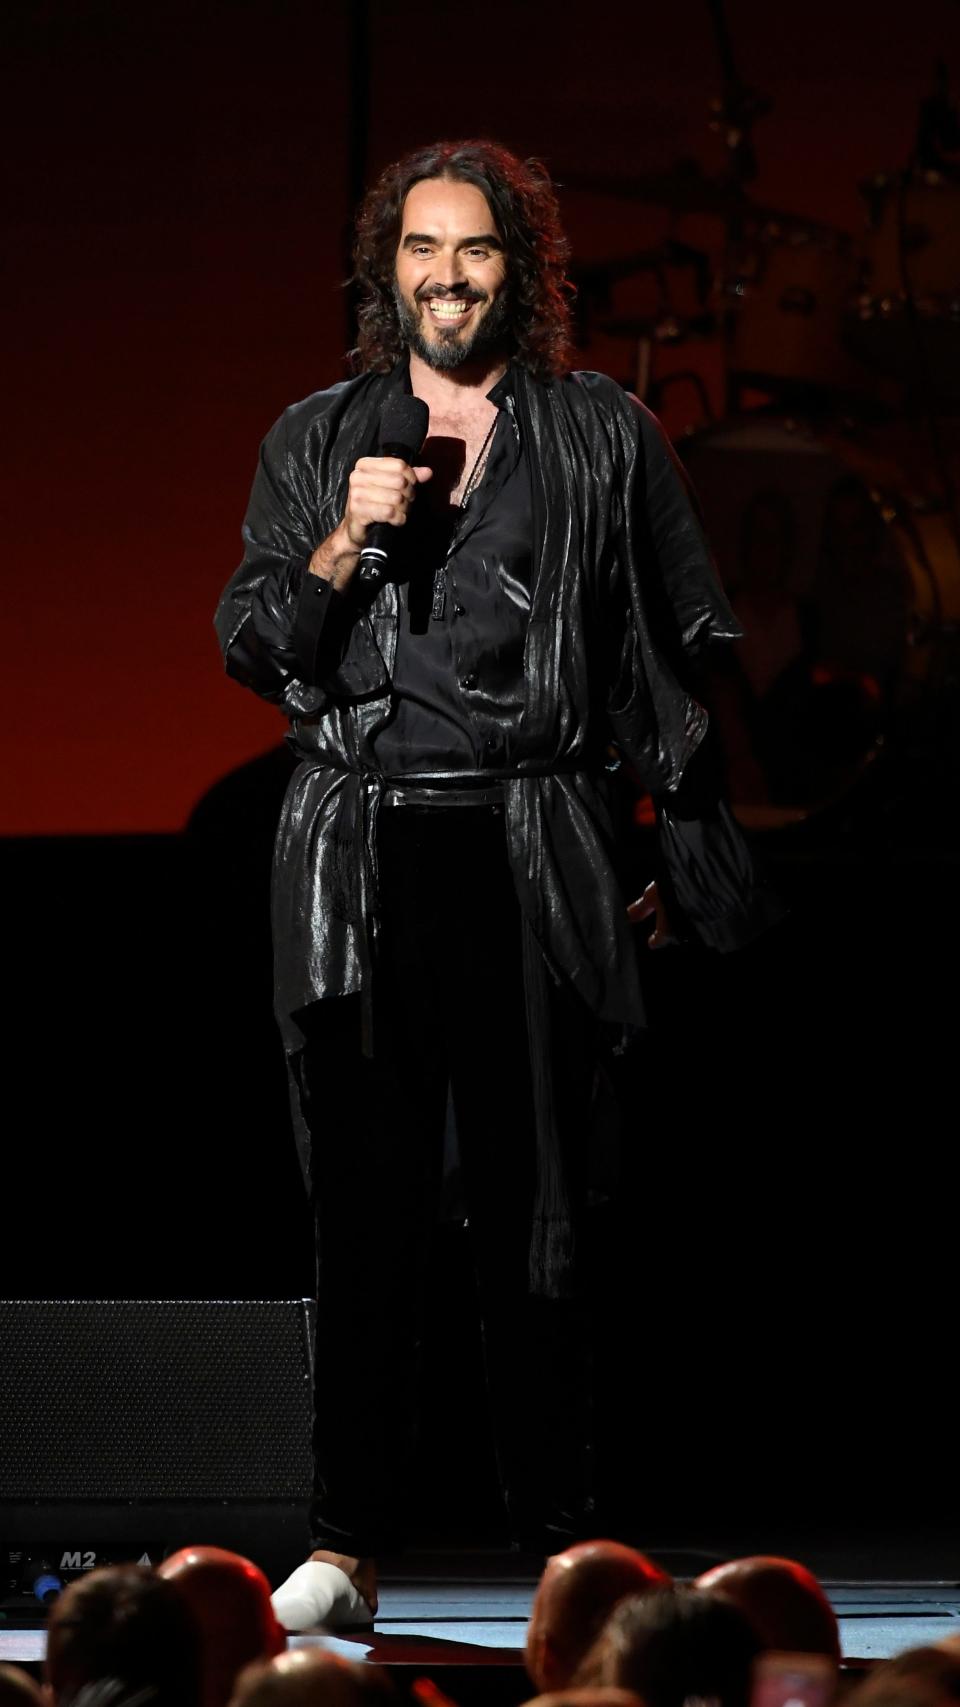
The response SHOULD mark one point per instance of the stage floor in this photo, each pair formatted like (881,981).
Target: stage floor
(471,1612)
(451,1621)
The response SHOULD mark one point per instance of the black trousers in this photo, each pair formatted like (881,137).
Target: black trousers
(448,1010)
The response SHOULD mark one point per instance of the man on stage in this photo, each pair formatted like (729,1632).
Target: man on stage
(447,916)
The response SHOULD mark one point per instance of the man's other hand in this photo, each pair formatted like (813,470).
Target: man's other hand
(650,906)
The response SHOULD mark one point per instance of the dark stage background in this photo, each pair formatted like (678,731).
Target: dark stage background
(178,189)
(779,1306)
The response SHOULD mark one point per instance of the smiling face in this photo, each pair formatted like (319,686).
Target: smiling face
(451,275)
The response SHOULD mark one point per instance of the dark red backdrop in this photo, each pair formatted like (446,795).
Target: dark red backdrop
(179,194)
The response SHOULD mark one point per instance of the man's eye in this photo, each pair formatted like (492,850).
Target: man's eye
(479,254)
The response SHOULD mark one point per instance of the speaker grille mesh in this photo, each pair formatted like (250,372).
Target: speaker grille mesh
(117,1400)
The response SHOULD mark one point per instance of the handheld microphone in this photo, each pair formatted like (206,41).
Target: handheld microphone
(403,427)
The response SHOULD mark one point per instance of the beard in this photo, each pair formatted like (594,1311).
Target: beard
(449,349)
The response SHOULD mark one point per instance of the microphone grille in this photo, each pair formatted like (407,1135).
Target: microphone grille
(404,421)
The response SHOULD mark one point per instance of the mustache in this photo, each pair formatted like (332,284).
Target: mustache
(457,294)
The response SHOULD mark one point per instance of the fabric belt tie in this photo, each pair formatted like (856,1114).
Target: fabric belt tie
(448,794)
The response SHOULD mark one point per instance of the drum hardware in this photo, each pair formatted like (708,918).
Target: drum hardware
(597,280)
(665,328)
(904,317)
(683,376)
(594,283)
(784,284)
(938,128)
(684,188)
(833,516)
(736,110)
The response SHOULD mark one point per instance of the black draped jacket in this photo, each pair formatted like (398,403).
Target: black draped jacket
(624,596)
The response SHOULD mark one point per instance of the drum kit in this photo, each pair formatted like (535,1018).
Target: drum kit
(829,486)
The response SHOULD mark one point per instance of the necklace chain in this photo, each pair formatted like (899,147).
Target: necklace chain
(473,476)
(438,603)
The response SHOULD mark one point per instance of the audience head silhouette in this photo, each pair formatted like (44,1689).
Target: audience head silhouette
(673,1644)
(18,1689)
(922,1677)
(312,1677)
(782,1600)
(229,1599)
(123,1623)
(591,1695)
(577,1592)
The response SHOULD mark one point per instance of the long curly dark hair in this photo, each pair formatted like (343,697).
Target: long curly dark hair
(523,203)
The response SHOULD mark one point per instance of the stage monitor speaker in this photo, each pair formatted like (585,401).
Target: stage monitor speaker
(129,1428)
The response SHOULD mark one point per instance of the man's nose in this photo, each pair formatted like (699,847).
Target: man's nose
(448,270)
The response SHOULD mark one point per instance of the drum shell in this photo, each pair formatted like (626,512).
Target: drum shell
(863,585)
(794,289)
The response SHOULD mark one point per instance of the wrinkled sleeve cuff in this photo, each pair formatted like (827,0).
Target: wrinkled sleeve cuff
(713,891)
(320,628)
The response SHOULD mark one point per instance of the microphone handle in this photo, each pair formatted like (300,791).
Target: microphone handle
(373,558)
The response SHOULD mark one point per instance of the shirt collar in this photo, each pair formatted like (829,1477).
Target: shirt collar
(503,388)
(498,394)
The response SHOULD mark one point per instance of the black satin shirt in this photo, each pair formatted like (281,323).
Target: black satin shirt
(463,578)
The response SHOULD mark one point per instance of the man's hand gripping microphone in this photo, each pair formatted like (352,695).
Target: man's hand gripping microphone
(403,428)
